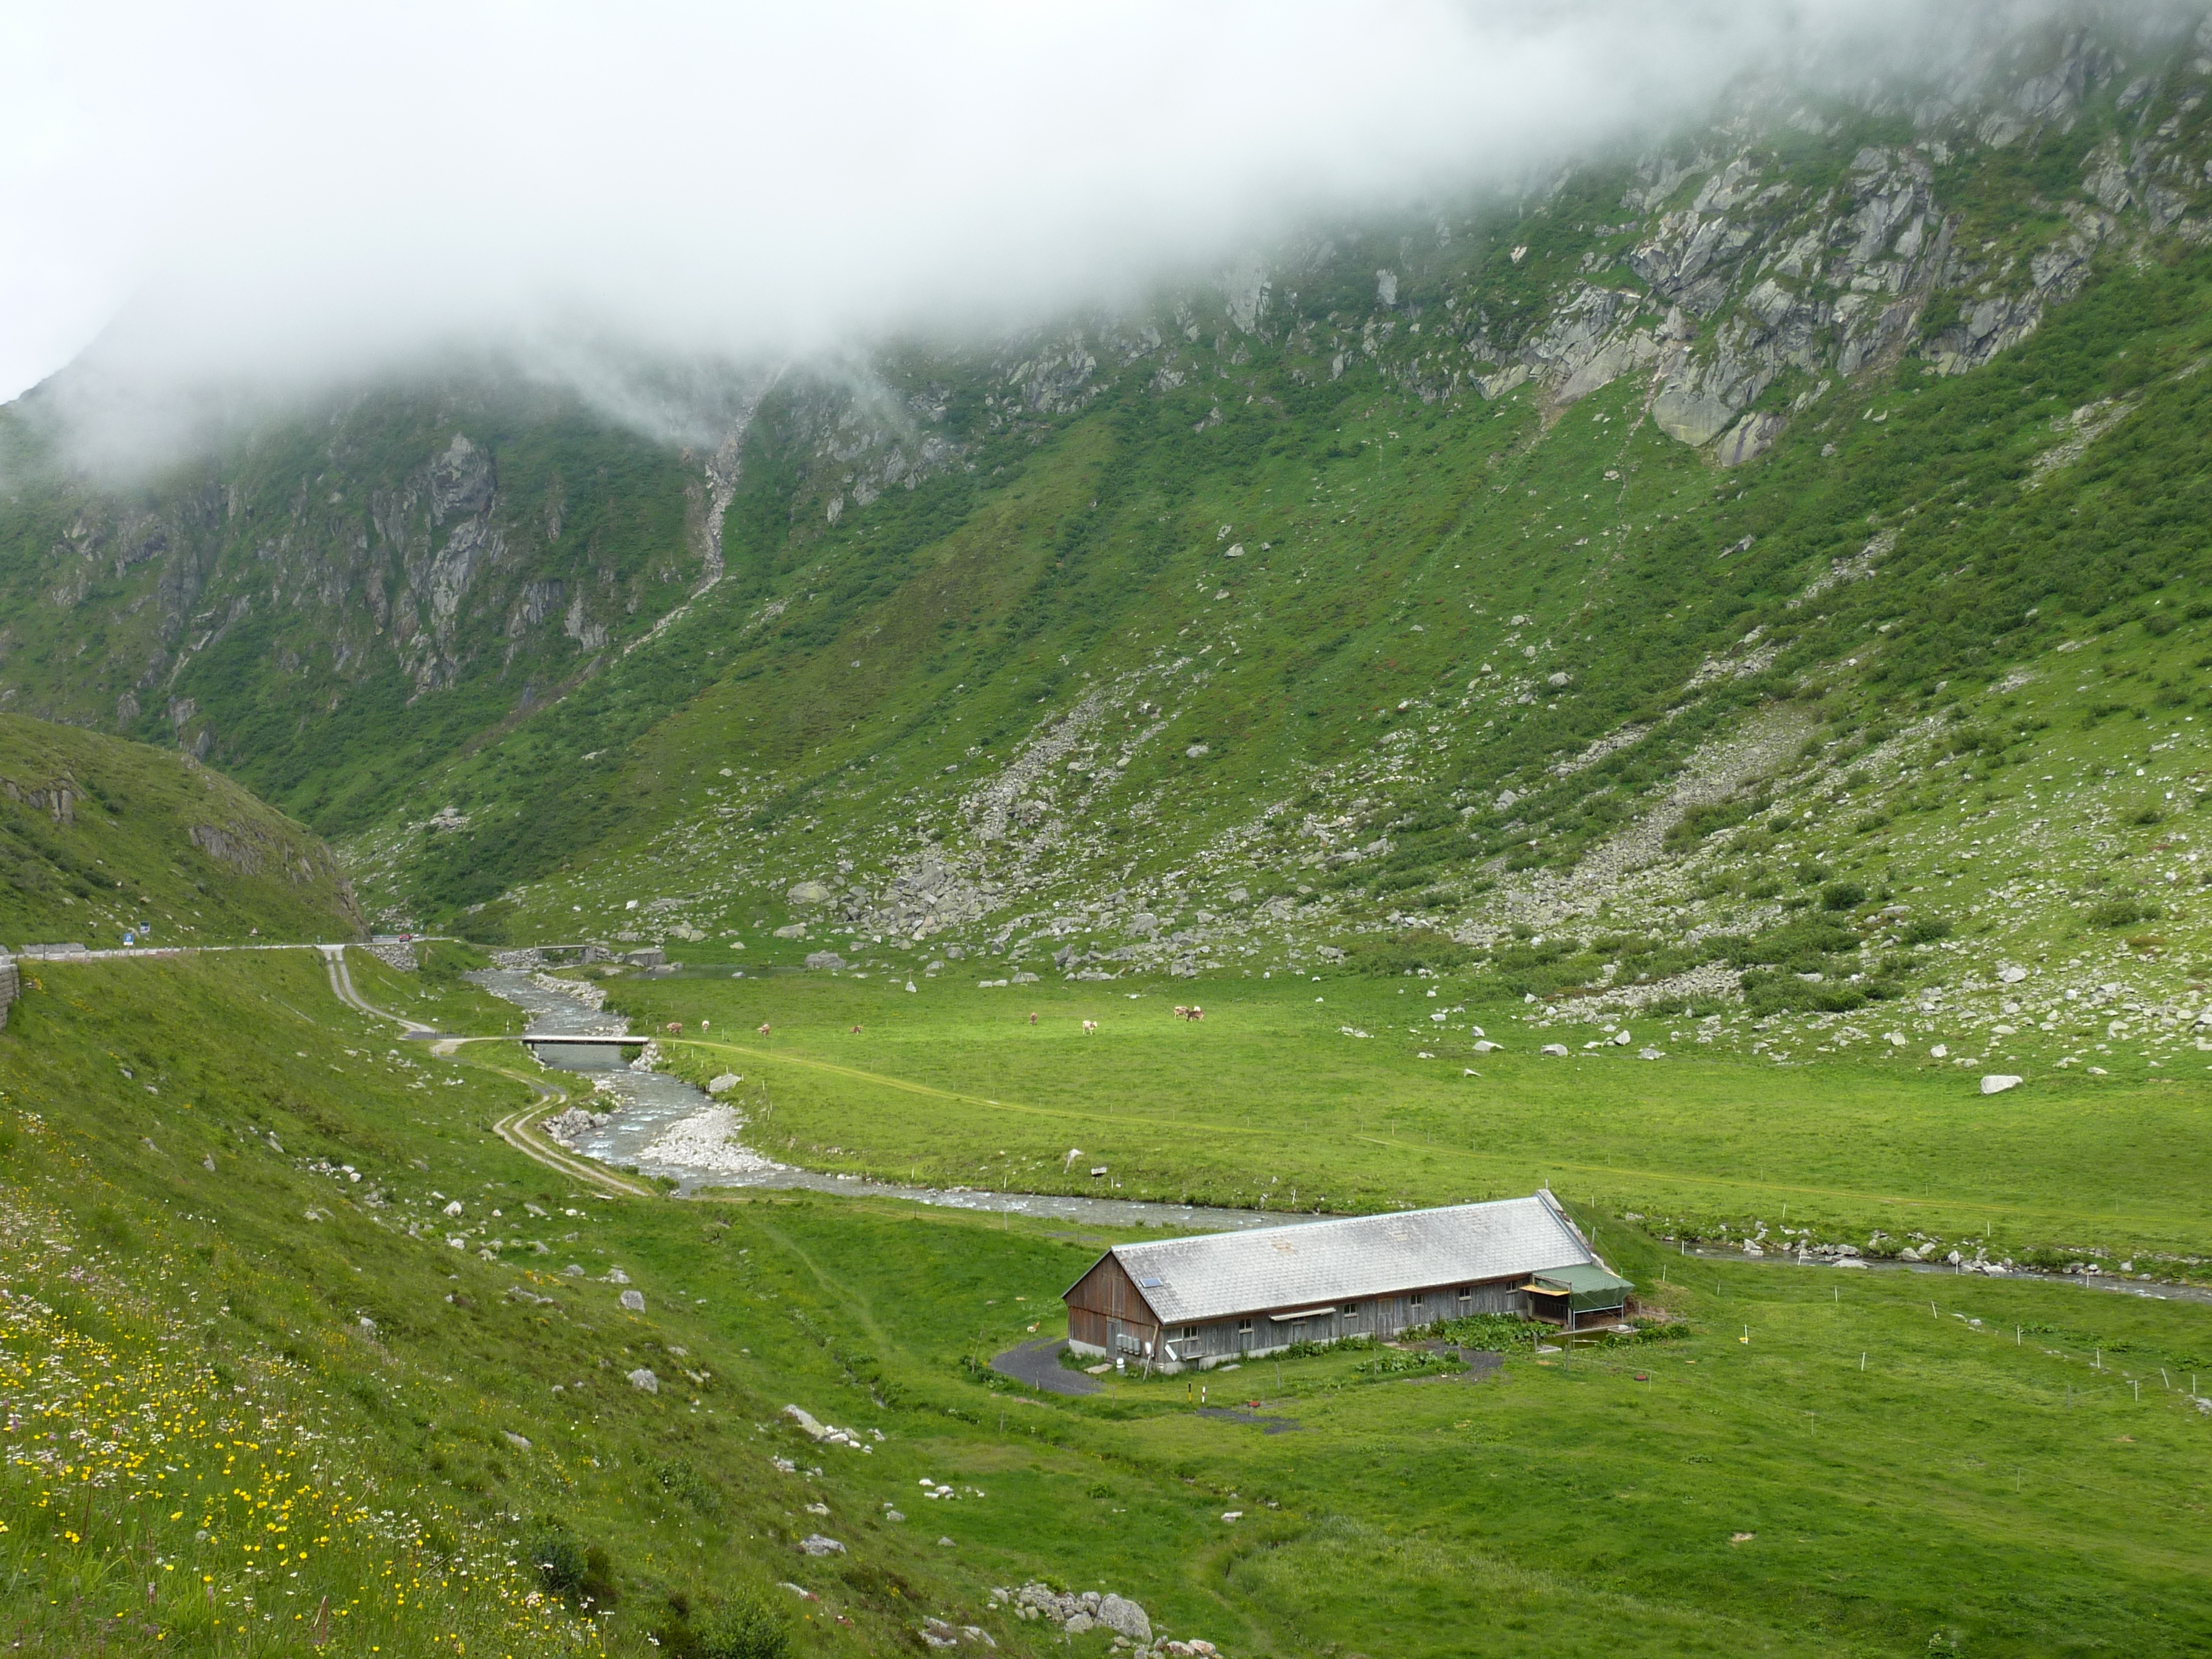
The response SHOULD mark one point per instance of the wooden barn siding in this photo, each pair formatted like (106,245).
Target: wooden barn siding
(1106,1299)
(1376,1316)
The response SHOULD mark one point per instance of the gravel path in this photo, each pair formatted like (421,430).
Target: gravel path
(1038,1363)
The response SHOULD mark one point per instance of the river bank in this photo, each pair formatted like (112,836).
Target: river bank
(662,1127)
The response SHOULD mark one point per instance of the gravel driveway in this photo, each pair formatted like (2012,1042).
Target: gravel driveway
(1038,1363)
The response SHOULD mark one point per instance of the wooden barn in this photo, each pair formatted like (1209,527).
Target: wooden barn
(1178,1302)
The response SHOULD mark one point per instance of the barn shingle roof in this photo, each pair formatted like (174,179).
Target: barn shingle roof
(1217,1274)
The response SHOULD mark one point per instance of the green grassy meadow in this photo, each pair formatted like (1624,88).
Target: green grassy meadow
(1973,1484)
(1268,1100)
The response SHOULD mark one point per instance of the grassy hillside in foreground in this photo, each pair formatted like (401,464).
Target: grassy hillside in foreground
(98,836)
(378,1432)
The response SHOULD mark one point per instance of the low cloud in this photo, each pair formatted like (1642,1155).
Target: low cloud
(272,198)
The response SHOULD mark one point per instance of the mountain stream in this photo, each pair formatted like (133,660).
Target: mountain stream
(660,1125)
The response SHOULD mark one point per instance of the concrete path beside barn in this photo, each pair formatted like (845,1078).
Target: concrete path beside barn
(1038,1363)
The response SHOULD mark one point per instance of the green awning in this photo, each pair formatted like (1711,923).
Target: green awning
(1587,1287)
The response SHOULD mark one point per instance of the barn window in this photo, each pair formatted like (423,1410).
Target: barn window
(1351,1311)
(1414,1302)
(1466,1293)
(1190,1332)
(1244,1327)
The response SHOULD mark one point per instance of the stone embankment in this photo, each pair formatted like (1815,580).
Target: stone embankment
(572,1125)
(1099,1610)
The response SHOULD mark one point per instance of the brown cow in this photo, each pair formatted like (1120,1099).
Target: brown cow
(675,1028)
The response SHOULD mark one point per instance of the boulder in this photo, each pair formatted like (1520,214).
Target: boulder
(1124,1617)
(724,1083)
(1998,1082)
(1557,1050)
(634,1301)
(828,959)
(644,1381)
(808,1424)
(808,892)
(815,1544)
(795,930)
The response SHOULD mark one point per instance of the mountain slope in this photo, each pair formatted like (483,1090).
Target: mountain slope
(100,837)
(1799,426)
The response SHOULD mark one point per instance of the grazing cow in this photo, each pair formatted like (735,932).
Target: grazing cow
(856,1031)
(1181,1013)
(764,1030)
(1032,1019)
(1196,1013)
(1090,1028)
(675,1028)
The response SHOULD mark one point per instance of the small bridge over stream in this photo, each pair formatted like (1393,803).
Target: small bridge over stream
(446,1045)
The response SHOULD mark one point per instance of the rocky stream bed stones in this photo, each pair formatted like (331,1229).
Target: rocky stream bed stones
(570,1127)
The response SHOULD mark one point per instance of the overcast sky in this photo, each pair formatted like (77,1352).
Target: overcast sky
(290,188)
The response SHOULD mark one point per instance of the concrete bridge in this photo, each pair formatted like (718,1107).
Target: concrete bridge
(442,1044)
